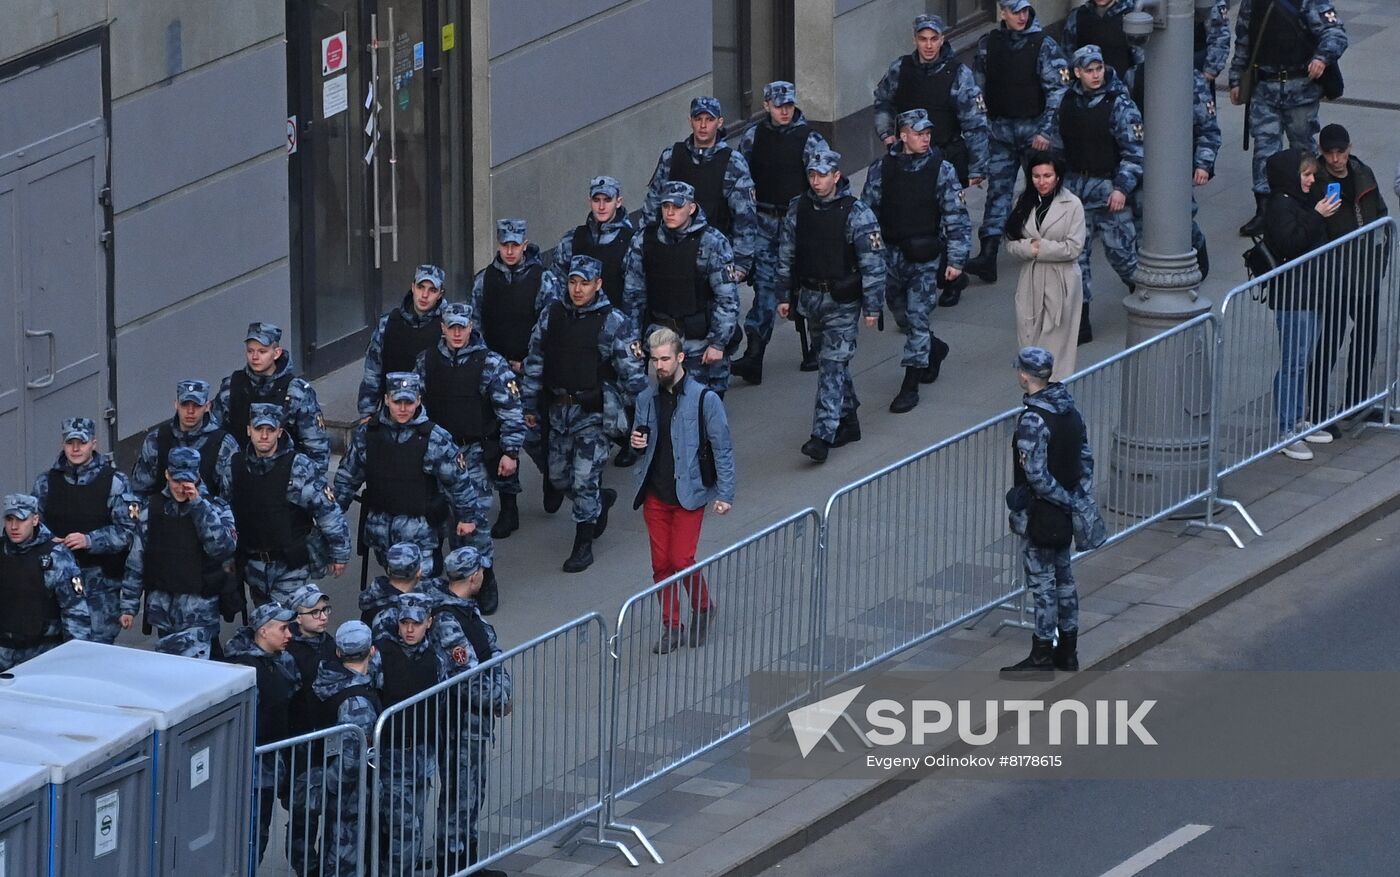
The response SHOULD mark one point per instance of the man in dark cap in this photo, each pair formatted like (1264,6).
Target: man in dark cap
(41,588)
(193,426)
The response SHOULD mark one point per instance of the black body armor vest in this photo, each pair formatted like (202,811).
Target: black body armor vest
(208,455)
(82,508)
(1013,77)
(677,292)
(613,255)
(508,311)
(1106,32)
(708,180)
(395,482)
(571,361)
(776,165)
(909,202)
(174,559)
(404,676)
(453,397)
(29,607)
(1088,134)
(402,342)
(241,398)
(267,522)
(932,93)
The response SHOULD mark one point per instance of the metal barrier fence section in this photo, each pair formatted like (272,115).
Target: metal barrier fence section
(681,676)
(309,805)
(493,759)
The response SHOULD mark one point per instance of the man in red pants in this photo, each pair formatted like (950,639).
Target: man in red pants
(687,462)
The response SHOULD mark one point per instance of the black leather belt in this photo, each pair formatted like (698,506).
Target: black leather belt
(823,286)
(1280,74)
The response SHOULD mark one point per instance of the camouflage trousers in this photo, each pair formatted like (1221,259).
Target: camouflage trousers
(404,775)
(832,326)
(1050,579)
(301,797)
(1279,109)
(383,530)
(104,604)
(273,581)
(463,774)
(1007,147)
(578,456)
(170,613)
(12,655)
(764,309)
(912,287)
(343,846)
(482,481)
(1117,229)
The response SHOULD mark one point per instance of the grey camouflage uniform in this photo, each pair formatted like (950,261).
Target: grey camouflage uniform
(967,95)
(147,481)
(304,425)
(64,581)
(738,194)
(1069,34)
(371,393)
(343,846)
(1215,57)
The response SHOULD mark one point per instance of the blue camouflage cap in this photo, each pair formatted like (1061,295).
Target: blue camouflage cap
(706,104)
(192,391)
(431,273)
(78,428)
(780,93)
(192,642)
(1035,361)
(604,185)
(1014,5)
(510,231)
(461,563)
(21,505)
(929,22)
(403,386)
(414,606)
(677,192)
(585,267)
(824,161)
(267,613)
(458,313)
(266,414)
(266,334)
(916,118)
(353,639)
(308,596)
(182,464)
(402,560)
(1086,55)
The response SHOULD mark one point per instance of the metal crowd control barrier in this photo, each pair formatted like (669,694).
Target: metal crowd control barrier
(670,708)
(308,799)
(1297,348)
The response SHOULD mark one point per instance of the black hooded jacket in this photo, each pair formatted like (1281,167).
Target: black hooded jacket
(1293,228)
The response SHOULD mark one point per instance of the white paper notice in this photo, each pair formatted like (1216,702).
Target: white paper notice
(335,96)
(369,96)
(106,824)
(199,768)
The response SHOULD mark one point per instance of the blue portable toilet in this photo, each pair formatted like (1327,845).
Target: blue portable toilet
(24,819)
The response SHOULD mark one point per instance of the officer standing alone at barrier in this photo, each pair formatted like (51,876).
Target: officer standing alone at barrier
(402,334)
(193,426)
(584,369)
(289,526)
(778,149)
(831,258)
(933,79)
(1023,77)
(472,392)
(466,640)
(688,462)
(346,695)
(301,794)
(404,576)
(926,233)
(1054,481)
(268,377)
(177,564)
(41,587)
(89,508)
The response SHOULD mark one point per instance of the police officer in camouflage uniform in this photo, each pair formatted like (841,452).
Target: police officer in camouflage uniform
(89,507)
(584,369)
(681,275)
(346,695)
(472,392)
(41,587)
(183,539)
(193,426)
(1212,40)
(268,377)
(831,257)
(403,575)
(1100,129)
(466,640)
(290,529)
(402,334)
(1023,77)
(778,149)
(1054,478)
(720,178)
(311,644)
(1100,23)
(926,233)
(1282,49)
(415,476)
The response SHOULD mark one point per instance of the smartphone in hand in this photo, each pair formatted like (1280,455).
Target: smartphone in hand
(1334,191)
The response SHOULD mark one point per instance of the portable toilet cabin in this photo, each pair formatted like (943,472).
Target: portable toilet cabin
(24,819)
(100,772)
(203,713)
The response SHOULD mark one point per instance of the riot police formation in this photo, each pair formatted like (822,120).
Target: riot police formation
(402,334)
(194,427)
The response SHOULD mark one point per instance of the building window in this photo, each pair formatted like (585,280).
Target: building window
(752,47)
(961,14)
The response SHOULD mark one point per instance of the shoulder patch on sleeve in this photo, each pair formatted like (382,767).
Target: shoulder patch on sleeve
(133,510)
(731,273)
(461,461)
(77,582)
(459,656)
(636,349)
(320,420)
(1137,131)
(330,494)
(513,387)
(1210,108)
(877,243)
(980,104)
(1330,16)
(1064,74)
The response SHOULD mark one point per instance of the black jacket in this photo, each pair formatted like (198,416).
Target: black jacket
(1293,228)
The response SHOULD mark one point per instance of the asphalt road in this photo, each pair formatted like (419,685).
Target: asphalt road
(1331,613)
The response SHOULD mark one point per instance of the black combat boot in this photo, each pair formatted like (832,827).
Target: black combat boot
(952,291)
(553,496)
(700,626)
(1086,331)
(582,556)
(1040,664)
(984,264)
(936,355)
(484,872)
(750,365)
(1203,260)
(626,455)
(816,449)
(1067,652)
(847,431)
(908,395)
(809,362)
(508,518)
(609,497)
(1255,226)
(489,598)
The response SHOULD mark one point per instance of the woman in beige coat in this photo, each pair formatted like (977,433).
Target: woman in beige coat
(1046,230)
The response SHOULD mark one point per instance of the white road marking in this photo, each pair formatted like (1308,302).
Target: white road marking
(1158,851)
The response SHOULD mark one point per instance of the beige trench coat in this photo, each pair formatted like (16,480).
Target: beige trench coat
(1050,290)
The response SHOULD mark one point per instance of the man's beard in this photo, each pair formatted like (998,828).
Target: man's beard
(666,382)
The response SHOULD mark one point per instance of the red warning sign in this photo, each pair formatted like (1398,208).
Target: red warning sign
(333,58)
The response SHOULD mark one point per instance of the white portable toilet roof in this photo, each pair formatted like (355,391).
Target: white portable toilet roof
(67,738)
(18,780)
(170,688)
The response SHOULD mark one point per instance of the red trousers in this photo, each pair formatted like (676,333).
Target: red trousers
(674,533)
